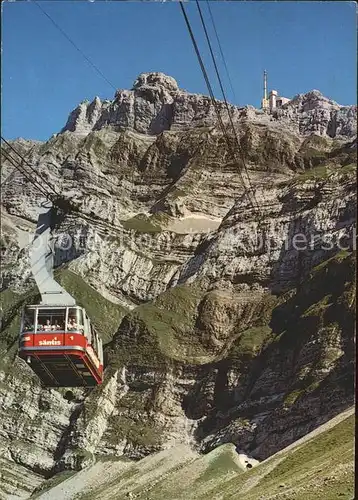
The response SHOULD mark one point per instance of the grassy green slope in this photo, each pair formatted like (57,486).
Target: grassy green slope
(161,331)
(105,315)
(175,327)
(318,467)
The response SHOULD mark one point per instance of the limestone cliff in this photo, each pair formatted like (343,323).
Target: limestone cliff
(218,328)
(156,104)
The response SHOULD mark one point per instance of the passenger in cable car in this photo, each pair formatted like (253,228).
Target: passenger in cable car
(80,327)
(71,325)
(48,326)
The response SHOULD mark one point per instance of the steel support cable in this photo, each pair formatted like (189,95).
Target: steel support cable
(24,173)
(18,168)
(225,100)
(220,49)
(38,186)
(30,166)
(106,79)
(54,198)
(75,46)
(222,126)
(219,79)
(211,51)
(9,177)
(22,170)
(35,182)
(199,56)
(41,189)
(35,172)
(27,176)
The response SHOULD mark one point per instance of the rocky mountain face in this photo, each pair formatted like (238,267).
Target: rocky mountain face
(156,104)
(222,325)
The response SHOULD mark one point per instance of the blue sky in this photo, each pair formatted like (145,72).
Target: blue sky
(303,46)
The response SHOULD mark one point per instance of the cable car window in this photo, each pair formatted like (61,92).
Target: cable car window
(29,320)
(75,320)
(94,339)
(51,320)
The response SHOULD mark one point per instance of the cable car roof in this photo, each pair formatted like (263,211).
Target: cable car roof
(39,306)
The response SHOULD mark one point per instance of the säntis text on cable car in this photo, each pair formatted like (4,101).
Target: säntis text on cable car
(50,342)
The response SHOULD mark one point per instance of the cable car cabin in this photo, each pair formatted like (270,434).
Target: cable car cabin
(61,346)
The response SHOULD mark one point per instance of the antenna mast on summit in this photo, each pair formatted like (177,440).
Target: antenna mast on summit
(264,102)
(265,85)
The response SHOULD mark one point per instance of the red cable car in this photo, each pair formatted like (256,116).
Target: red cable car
(61,346)
(56,336)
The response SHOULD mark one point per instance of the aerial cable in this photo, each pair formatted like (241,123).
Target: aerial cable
(28,164)
(27,176)
(48,196)
(211,51)
(224,96)
(198,54)
(215,104)
(9,177)
(220,49)
(56,199)
(21,169)
(39,187)
(24,173)
(222,126)
(74,45)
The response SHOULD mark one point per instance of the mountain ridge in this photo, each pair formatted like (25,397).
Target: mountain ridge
(155,103)
(218,329)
